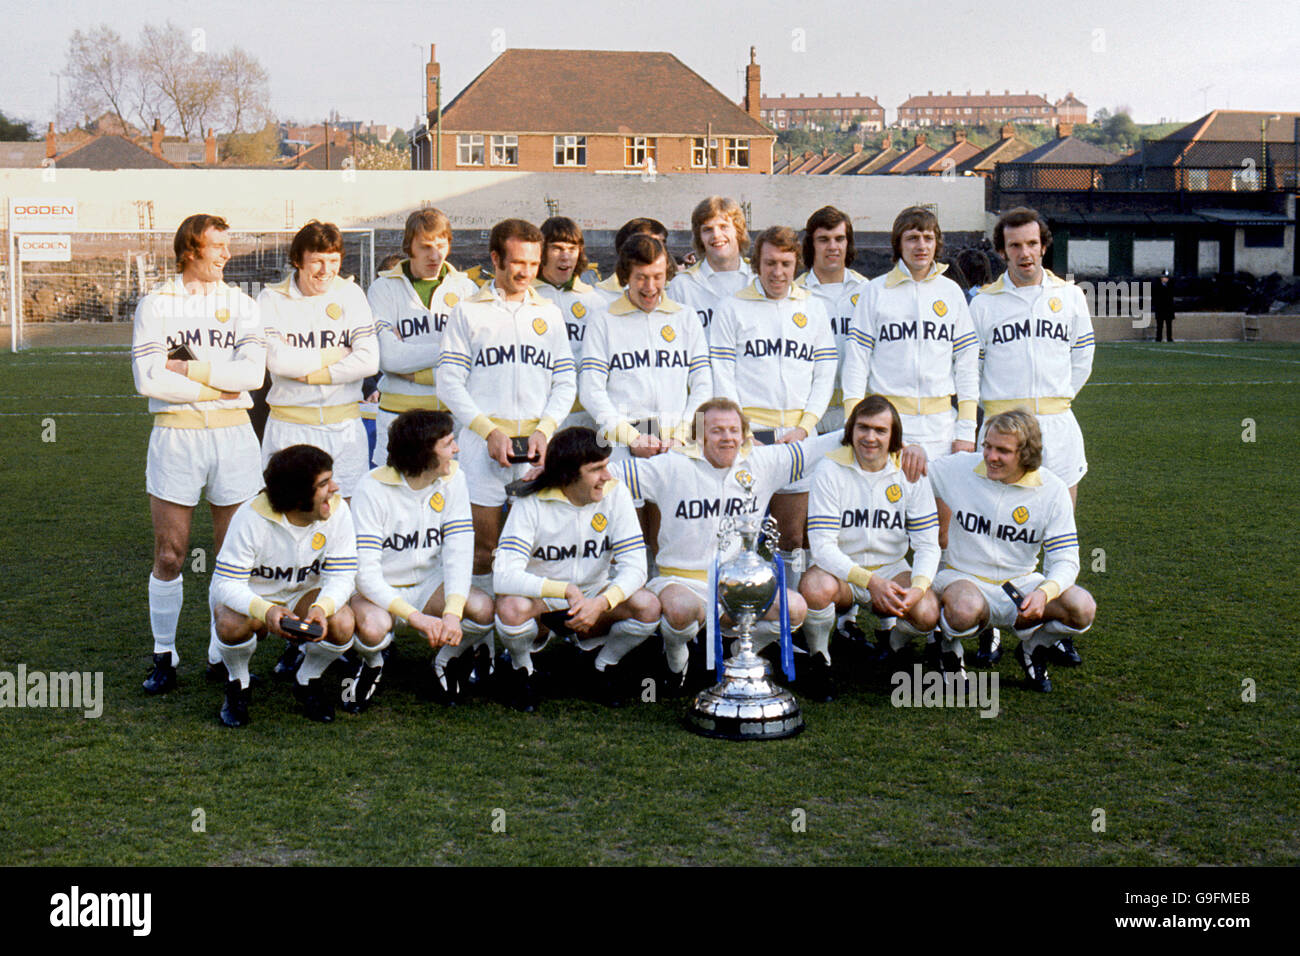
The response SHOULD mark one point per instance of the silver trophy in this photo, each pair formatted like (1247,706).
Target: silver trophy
(745,704)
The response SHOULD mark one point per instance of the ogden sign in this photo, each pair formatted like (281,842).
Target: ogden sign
(40,214)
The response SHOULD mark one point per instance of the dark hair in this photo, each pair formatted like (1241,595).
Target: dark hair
(188,243)
(828,217)
(411,438)
(868,407)
(508,229)
(640,226)
(291,474)
(642,250)
(568,450)
(782,238)
(976,266)
(316,236)
(921,219)
(428,221)
(955,273)
(564,229)
(1020,216)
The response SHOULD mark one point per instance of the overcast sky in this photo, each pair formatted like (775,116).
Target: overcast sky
(1163,60)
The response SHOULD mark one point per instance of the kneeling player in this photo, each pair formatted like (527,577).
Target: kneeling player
(863,513)
(290,558)
(995,516)
(415,543)
(572,544)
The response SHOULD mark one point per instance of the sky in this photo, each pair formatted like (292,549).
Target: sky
(1164,61)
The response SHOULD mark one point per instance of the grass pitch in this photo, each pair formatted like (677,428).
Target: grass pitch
(1187,537)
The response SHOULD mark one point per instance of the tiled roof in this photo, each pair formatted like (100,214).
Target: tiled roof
(110,152)
(1066,150)
(1009,99)
(594,91)
(818,103)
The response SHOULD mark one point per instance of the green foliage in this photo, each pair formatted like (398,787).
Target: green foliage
(1152,728)
(15,131)
(253,149)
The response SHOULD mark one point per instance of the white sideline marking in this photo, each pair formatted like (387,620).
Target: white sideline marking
(64,414)
(58,397)
(1227,355)
(1192,384)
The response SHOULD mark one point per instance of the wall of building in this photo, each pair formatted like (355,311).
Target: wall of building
(1263,261)
(275,199)
(537,154)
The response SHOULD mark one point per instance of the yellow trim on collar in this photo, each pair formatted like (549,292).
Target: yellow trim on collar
(693,450)
(623,306)
(485,294)
(843,456)
(387,474)
(753,293)
(899,275)
(1030,479)
(610,284)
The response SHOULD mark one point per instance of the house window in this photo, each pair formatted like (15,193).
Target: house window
(469,149)
(1245,179)
(570,150)
(702,157)
(505,150)
(636,150)
(738,153)
(1265,237)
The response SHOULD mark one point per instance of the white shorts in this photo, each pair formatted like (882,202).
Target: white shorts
(934,433)
(184,462)
(1062,446)
(486,479)
(579,419)
(346,443)
(383,419)
(700,589)
(1002,610)
(862,595)
(417,595)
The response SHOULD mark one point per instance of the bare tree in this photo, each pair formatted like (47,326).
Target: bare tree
(245,90)
(184,78)
(101,67)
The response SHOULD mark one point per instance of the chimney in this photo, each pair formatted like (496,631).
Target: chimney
(857,148)
(432,76)
(157,138)
(920,139)
(1064,129)
(210,149)
(887,142)
(51,144)
(752,85)
(958,136)
(1008,131)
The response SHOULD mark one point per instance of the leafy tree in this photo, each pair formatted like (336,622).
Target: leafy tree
(15,131)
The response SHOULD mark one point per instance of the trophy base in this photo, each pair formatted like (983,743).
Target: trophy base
(745,705)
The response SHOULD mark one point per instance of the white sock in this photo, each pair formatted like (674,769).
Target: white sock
(623,636)
(484,583)
(795,560)
(373,656)
(477,634)
(903,633)
(214,645)
(848,617)
(676,643)
(1033,638)
(519,639)
(764,633)
(950,633)
(317,656)
(236,658)
(817,630)
(165,599)
(1061,629)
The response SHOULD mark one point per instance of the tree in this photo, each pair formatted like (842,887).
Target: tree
(15,131)
(101,67)
(260,148)
(245,90)
(400,140)
(186,86)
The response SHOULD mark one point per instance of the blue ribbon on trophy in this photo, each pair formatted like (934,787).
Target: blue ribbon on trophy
(783,603)
(713,655)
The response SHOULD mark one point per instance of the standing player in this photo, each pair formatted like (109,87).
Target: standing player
(995,516)
(773,353)
(564,260)
(912,341)
(828,247)
(415,543)
(290,558)
(718,233)
(411,303)
(863,516)
(572,545)
(646,367)
(611,288)
(197,350)
(508,376)
(694,487)
(321,345)
(1036,342)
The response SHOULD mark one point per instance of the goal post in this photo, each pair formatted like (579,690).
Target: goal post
(107,273)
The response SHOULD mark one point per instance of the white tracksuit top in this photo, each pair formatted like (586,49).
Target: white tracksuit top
(410,335)
(548,543)
(839,299)
(702,289)
(329,339)
(997,529)
(577,304)
(914,343)
(404,535)
(859,520)
(775,358)
(266,560)
(224,331)
(693,495)
(1036,343)
(640,365)
(507,365)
